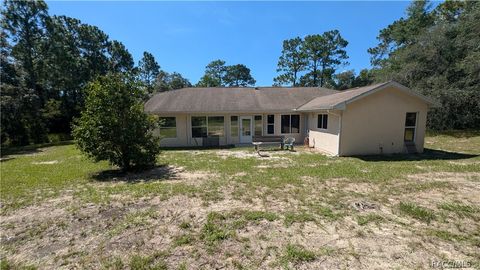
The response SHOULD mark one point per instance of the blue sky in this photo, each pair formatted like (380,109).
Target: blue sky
(186,36)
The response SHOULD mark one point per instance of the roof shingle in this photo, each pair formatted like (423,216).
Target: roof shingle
(263,99)
(329,102)
(234,99)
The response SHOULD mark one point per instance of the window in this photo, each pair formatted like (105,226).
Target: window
(295,123)
(270,124)
(322,121)
(215,126)
(234,126)
(258,125)
(199,126)
(168,127)
(410,126)
(290,123)
(203,126)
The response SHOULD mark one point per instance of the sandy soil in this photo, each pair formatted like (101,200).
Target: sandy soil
(64,233)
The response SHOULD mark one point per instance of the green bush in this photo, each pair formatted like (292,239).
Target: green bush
(113,125)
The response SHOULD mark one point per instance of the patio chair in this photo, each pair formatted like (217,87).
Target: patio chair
(288,143)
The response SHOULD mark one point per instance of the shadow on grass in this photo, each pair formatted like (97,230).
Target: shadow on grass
(28,149)
(428,154)
(161,172)
(197,148)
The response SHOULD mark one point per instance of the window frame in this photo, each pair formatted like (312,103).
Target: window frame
(290,124)
(414,127)
(206,125)
(255,125)
(321,122)
(237,126)
(202,126)
(271,124)
(223,125)
(160,127)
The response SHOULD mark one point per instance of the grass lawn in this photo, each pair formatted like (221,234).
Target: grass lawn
(230,208)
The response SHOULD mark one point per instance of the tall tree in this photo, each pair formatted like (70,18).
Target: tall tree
(177,81)
(24,23)
(170,81)
(148,70)
(22,32)
(439,58)
(344,80)
(238,75)
(364,78)
(207,81)
(94,45)
(325,53)
(49,60)
(120,58)
(65,73)
(214,74)
(75,54)
(403,31)
(291,62)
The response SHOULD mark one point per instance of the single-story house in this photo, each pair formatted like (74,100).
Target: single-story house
(377,119)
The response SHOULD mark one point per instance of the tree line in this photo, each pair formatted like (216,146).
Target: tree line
(436,51)
(432,50)
(314,61)
(47,62)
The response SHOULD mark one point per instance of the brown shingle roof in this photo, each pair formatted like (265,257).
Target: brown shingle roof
(340,99)
(331,101)
(263,99)
(233,99)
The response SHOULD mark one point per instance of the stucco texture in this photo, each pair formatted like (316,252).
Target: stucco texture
(376,124)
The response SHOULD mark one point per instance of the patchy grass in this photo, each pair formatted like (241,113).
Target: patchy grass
(215,229)
(154,262)
(185,239)
(296,254)
(259,215)
(231,209)
(417,212)
(28,178)
(298,217)
(460,209)
(365,219)
(7,265)
(185,225)
(134,220)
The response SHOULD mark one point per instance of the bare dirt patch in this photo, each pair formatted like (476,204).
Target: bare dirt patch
(193,178)
(63,232)
(466,186)
(264,155)
(45,162)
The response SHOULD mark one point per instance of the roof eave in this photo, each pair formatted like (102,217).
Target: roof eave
(222,112)
(432,103)
(339,107)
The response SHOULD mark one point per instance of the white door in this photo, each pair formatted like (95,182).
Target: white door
(245,129)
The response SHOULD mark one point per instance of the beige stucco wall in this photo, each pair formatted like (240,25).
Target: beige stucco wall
(181,139)
(375,121)
(325,140)
(184,130)
(378,120)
